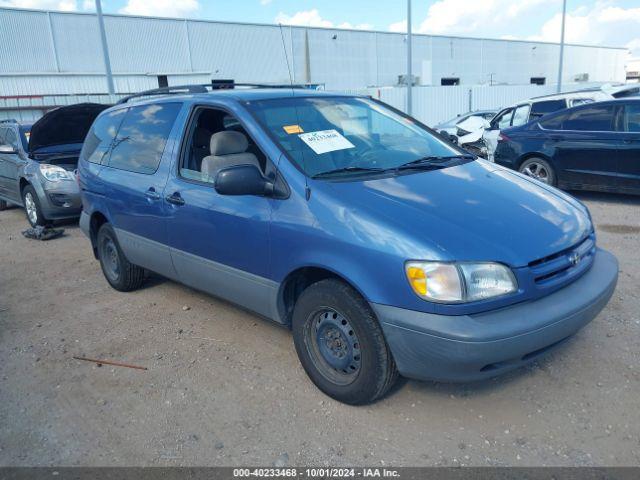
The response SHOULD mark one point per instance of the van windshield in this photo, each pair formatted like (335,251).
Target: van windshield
(346,135)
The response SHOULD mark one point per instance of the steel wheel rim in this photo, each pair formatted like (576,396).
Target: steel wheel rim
(333,346)
(537,171)
(110,259)
(30,207)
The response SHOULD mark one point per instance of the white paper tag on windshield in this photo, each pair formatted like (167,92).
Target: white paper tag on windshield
(324,141)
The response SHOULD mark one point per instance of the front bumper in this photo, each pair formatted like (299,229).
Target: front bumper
(61,202)
(472,347)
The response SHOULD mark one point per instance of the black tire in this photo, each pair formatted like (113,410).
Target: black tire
(3,205)
(361,380)
(531,165)
(32,208)
(121,274)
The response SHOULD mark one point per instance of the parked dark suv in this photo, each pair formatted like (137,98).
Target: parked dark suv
(590,147)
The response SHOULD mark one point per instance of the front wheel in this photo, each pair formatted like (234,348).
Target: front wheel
(32,207)
(3,205)
(539,169)
(341,345)
(119,272)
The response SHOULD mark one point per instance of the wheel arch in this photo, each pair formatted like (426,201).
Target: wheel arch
(299,280)
(96,220)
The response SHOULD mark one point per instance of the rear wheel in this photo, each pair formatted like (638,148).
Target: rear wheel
(341,345)
(119,272)
(3,205)
(539,169)
(32,207)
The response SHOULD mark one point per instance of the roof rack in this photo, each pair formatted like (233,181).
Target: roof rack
(208,87)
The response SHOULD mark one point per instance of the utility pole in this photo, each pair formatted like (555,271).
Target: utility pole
(105,49)
(564,14)
(409,74)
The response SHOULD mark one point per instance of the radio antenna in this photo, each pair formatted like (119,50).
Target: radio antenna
(307,190)
(286,56)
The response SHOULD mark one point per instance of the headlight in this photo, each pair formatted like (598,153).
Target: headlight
(54,173)
(459,282)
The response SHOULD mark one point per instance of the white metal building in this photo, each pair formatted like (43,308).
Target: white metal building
(45,52)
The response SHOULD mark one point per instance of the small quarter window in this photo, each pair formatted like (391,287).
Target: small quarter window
(101,135)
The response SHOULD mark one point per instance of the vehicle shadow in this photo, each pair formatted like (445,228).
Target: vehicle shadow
(603,197)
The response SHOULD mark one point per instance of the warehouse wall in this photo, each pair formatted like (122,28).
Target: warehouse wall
(64,55)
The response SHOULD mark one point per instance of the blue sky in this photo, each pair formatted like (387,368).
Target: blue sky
(601,22)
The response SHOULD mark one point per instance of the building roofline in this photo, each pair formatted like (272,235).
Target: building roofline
(302,27)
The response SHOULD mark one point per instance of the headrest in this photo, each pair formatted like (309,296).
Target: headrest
(228,142)
(201,137)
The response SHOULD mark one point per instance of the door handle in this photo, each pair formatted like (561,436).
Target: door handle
(175,199)
(152,194)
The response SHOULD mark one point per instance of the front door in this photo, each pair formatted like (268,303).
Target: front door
(134,177)
(220,243)
(10,165)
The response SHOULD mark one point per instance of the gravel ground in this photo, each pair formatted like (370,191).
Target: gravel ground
(225,388)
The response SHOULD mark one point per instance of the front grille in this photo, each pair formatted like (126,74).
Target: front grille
(565,265)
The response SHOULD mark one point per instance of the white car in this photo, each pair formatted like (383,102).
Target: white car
(450,127)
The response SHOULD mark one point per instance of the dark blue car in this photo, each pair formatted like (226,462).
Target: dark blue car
(385,249)
(590,147)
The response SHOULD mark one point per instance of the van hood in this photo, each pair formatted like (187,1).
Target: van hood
(477,211)
(64,126)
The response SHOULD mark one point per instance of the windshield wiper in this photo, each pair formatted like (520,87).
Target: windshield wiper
(347,170)
(431,162)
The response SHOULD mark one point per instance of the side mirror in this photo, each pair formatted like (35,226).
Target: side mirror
(243,180)
(7,150)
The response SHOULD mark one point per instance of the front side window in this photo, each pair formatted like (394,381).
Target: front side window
(503,120)
(520,115)
(595,118)
(323,134)
(215,140)
(631,118)
(140,142)
(101,135)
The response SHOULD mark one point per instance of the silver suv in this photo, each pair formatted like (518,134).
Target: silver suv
(38,163)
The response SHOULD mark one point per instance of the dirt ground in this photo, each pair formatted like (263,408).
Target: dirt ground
(224,387)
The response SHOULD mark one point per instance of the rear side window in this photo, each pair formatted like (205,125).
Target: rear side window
(539,109)
(101,135)
(595,118)
(631,118)
(142,136)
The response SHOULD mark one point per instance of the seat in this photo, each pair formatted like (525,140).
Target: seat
(228,148)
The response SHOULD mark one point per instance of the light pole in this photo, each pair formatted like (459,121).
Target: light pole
(564,14)
(409,74)
(105,48)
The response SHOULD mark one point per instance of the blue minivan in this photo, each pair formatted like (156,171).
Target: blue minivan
(384,248)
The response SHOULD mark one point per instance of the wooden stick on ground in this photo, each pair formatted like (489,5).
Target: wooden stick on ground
(107,362)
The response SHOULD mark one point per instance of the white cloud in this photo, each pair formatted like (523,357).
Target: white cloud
(265,2)
(161,8)
(312,18)
(64,5)
(604,24)
(471,17)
